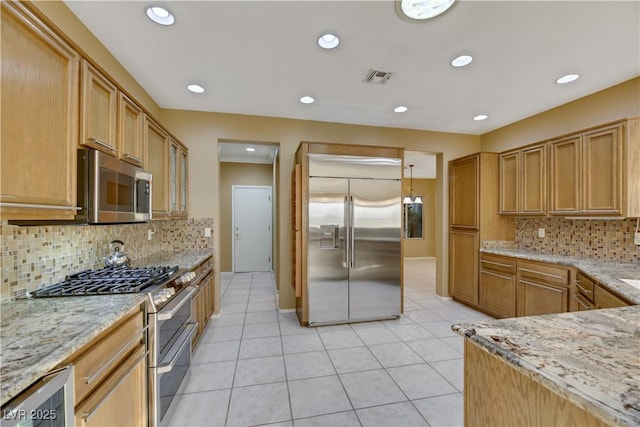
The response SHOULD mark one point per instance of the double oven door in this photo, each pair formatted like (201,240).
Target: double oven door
(170,332)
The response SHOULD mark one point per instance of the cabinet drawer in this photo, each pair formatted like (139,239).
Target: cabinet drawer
(106,355)
(548,273)
(498,263)
(583,304)
(584,285)
(606,299)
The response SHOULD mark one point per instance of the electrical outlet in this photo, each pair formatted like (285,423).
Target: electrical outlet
(540,232)
(207,232)
(149,234)
(636,238)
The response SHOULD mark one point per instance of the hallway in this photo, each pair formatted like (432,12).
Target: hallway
(256,366)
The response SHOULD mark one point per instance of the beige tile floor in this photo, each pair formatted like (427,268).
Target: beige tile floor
(256,366)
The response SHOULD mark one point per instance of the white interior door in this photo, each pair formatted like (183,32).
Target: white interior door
(251,228)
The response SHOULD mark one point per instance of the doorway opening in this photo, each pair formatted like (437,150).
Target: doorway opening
(248,171)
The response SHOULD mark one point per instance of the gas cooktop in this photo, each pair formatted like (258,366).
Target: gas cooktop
(107,281)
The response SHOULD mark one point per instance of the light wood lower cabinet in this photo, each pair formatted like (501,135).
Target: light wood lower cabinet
(203,306)
(542,288)
(605,299)
(497,292)
(110,375)
(463,265)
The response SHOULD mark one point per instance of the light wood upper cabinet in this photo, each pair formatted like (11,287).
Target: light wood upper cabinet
(597,172)
(464,184)
(98,111)
(602,172)
(178,164)
(39,117)
(158,165)
(523,181)
(130,131)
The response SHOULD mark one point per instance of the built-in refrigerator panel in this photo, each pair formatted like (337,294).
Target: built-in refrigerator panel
(328,275)
(375,268)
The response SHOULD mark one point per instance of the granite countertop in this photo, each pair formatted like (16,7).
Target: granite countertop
(37,335)
(607,273)
(591,358)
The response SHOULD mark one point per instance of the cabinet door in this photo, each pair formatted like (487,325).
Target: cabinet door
(184,181)
(130,131)
(174,174)
(509,183)
(497,293)
(121,401)
(464,182)
(39,115)
(534,181)
(537,298)
(604,299)
(158,164)
(565,175)
(602,173)
(98,111)
(463,266)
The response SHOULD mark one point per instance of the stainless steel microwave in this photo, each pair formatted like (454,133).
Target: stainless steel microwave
(111,190)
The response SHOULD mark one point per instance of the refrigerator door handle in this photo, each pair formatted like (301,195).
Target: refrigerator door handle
(352,238)
(347,225)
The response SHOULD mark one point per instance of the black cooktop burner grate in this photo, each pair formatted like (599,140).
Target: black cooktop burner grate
(107,281)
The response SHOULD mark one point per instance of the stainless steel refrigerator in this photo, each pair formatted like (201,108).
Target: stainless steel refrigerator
(354,239)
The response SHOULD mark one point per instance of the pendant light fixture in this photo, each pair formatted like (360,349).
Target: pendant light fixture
(411,198)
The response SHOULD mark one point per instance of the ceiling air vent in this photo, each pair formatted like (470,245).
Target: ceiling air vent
(377,77)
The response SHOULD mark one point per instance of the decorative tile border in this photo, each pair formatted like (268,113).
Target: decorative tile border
(35,256)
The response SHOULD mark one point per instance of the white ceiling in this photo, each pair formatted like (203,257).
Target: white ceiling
(236,152)
(424,164)
(259,57)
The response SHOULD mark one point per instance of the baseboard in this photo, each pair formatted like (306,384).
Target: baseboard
(286,310)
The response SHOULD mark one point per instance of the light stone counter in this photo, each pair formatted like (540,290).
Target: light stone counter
(36,335)
(591,358)
(607,273)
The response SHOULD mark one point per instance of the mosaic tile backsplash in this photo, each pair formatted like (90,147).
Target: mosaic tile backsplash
(35,256)
(606,240)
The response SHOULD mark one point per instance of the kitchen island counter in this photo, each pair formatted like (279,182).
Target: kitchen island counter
(589,358)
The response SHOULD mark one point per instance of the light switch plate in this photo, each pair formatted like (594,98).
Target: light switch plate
(207,232)
(150,234)
(541,232)
(636,238)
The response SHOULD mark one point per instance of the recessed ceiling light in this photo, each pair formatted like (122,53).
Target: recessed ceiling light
(568,78)
(461,61)
(423,9)
(481,117)
(250,149)
(400,109)
(307,100)
(195,88)
(328,41)
(160,15)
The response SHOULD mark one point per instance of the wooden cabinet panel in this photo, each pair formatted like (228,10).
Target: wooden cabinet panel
(39,114)
(463,266)
(509,183)
(605,299)
(158,164)
(130,131)
(178,163)
(121,400)
(98,110)
(534,181)
(497,288)
(565,175)
(497,293)
(464,183)
(184,181)
(602,172)
(538,298)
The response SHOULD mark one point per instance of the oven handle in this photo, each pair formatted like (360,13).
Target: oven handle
(175,305)
(181,342)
